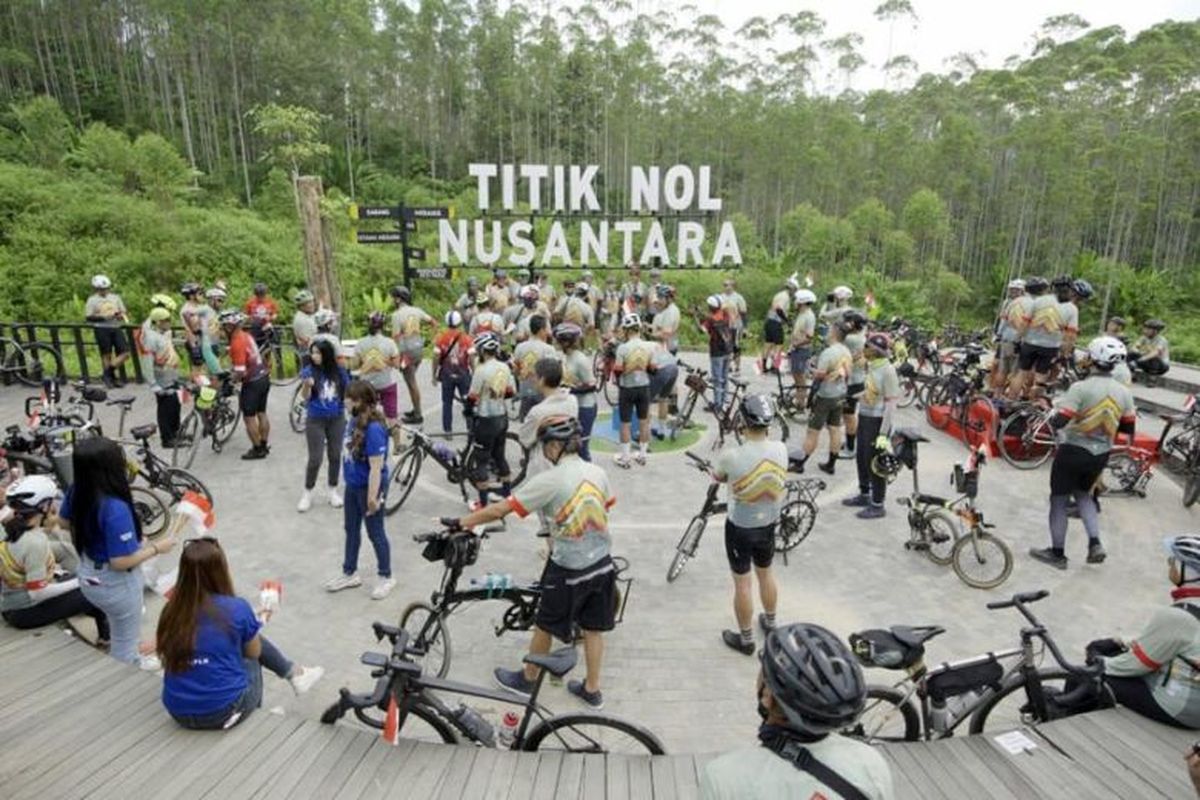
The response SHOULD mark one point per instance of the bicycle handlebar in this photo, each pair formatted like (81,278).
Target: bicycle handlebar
(697,461)
(1019,602)
(1020,599)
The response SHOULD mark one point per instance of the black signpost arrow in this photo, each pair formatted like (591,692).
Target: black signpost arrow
(406,219)
(378,212)
(426,213)
(415,253)
(379,237)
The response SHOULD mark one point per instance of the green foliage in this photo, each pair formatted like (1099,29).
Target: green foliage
(45,132)
(291,134)
(162,174)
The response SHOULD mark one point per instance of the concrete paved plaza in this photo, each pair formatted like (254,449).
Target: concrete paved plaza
(666,666)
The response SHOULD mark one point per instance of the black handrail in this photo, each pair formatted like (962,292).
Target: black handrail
(76,341)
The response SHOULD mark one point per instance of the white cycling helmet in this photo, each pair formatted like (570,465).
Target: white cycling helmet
(101,282)
(453,319)
(1184,549)
(842,292)
(793,282)
(324,317)
(1017,283)
(530,292)
(631,321)
(31,493)
(215,293)
(1106,351)
(805,296)
(713,301)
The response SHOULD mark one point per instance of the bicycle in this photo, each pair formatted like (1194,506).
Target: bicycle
(931,703)
(462,467)
(602,368)
(796,517)
(214,416)
(400,684)
(958,392)
(30,363)
(1026,438)
(298,410)
(427,623)
(145,464)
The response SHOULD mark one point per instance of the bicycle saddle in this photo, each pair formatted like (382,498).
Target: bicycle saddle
(121,400)
(915,635)
(94,394)
(143,431)
(558,663)
(909,435)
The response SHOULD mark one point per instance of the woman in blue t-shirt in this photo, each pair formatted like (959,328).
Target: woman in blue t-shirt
(211,650)
(323,384)
(365,470)
(108,537)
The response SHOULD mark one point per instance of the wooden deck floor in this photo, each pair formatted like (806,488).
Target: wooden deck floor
(75,724)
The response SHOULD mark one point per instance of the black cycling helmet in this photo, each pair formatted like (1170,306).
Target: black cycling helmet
(1154,324)
(487,342)
(1082,289)
(567,332)
(190,288)
(375,321)
(852,321)
(757,410)
(1036,284)
(402,293)
(560,430)
(1061,281)
(813,677)
(260,288)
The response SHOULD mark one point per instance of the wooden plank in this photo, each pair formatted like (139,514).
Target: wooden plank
(640,787)
(41,667)
(61,690)
(594,779)
(662,778)
(545,782)
(119,756)
(457,772)
(374,782)
(984,771)
(616,777)
(363,777)
(687,780)
(1130,746)
(481,773)
(570,775)
(908,764)
(433,761)
(296,781)
(275,761)
(1179,738)
(521,785)
(1002,767)
(1092,757)
(292,770)
(326,784)
(1052,773)
(502,774)
(233,780)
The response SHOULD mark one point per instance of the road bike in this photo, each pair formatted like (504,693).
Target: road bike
(953,532)
(932,703)
(214,416)
(463,467)
(1026,438)
(298,410)
(602,368)
(422,714)
(954,396)
(428,623)
(29,363)
(145,464)
(796,517)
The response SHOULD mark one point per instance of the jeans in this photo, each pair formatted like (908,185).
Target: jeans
(587,418)
(868,482)
(453,385)
(168,416)
(718,366)
(324,437)
(57,608)
(118,593)
(355,514)
(251,696)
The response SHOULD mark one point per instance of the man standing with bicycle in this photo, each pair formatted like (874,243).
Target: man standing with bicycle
(756,472)
(579,581)
(634,362)
(829,396)
(251,374)
(880,392)
(163,372)
(1088,417)
(486,412)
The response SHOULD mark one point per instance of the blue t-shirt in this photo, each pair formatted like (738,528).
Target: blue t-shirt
(113,533)
(326,398)
(358,470)
(217,676)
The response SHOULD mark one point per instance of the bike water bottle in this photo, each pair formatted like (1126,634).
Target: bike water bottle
(939,715)
(443,453)
(508,730)
(478,728)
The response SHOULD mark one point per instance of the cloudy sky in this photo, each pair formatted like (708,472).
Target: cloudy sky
(996,28)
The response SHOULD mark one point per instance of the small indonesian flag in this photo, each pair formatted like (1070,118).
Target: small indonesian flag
(808,280)
(870,299)
(391,723)
(197,509)
(1189,403)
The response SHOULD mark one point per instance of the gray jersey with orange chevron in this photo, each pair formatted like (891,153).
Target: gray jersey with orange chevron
(756,472)
(1096,407)
(575,498)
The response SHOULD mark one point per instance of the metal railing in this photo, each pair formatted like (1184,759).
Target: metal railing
(76,342)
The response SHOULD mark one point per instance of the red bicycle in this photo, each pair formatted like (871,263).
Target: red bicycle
(602,367)
(1130,466)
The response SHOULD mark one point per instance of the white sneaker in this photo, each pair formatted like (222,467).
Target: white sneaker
(343,582)
(149,663)
(305,502)
(383,588)
(335,498)
(621,460)
(305,678)
(640,458)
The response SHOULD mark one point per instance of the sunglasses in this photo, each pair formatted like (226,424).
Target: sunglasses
(209,539)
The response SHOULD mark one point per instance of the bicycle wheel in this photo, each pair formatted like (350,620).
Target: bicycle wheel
(1026,440)
(178,481)
(941,534)
(592,733)
(36,362)
(225,422)
(517,456)
(1121,474)
(887,717)
(422,723)
(298,411)
(404,477)
(151,511)
(686,549)
(612,392)
(908,393)
(430,635)
(981,560)
(1007,708)
(681,420)
(796,521)
(186,441)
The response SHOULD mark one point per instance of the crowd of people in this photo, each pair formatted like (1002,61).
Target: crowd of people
(524,342)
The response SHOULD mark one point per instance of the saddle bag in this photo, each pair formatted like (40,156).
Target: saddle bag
(879,648)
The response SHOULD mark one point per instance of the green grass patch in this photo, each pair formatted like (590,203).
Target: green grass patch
(686,438)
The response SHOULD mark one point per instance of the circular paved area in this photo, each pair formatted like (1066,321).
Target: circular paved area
(665,665)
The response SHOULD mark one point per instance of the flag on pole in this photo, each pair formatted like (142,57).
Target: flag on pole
(391,723)
(196,509)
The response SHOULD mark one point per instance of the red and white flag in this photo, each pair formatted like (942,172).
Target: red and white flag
(197,509)
(391,723)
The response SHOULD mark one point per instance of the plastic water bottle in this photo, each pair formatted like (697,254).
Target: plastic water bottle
(956,705)
(508,730)
(443,453)
(479,728)
(939,715)
(492,582)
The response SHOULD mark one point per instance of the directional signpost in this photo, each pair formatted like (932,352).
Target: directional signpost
(406,223)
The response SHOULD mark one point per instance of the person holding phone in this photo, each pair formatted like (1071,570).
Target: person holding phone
(365,475)
(323,385)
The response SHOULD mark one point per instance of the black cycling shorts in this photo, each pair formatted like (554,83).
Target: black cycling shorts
(585,597)
(745,545)
(111,340)
(633,398)
(253,397)
(195,355)
(1037,358)
(853,391)
(489,455)
(773,331)
(1075,469)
